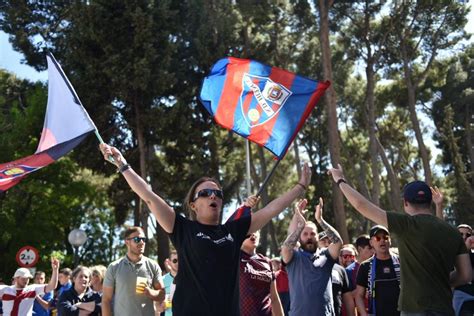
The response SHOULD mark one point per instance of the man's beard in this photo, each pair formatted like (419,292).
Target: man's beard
(310,246)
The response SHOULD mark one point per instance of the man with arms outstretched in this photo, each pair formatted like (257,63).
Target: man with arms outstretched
(429,248)
(309,269)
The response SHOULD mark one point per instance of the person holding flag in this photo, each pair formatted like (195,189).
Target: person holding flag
(209,252)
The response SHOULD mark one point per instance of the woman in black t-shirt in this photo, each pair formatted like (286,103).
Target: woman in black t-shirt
(207,280)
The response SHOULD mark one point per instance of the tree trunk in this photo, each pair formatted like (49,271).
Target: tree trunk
(395,195)
(469,119)
(411,89)
(330,97)
(142,210)
(370,103)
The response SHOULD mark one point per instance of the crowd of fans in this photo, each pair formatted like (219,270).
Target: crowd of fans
(216,269)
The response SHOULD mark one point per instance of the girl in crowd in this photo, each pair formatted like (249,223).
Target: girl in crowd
(208,278)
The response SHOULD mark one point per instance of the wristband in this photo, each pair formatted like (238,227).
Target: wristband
(125,167)
(303,186)
(341,180)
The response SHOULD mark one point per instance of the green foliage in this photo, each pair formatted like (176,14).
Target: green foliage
(138,65)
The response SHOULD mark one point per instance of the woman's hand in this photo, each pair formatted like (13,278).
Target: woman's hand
(111,152)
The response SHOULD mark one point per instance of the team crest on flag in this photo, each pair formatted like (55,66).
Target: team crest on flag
(261,99)
(267,105)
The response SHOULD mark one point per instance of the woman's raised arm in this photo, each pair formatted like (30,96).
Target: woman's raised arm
(163,213)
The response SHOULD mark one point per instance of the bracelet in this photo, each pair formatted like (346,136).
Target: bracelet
(303,186)
(124,168)
(341,180)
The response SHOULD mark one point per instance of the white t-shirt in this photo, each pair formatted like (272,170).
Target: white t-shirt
(19,302)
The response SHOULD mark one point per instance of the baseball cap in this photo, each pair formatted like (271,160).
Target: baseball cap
(374,230)
(417,192)
(22,273)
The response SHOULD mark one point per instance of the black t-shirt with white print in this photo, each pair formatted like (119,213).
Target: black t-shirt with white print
(207,282)
(387,286)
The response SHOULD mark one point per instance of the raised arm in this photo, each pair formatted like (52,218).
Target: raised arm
(358,201)
(294,230)
(54,276)
(438,201)
(272,209)
(333,235)
(163,213)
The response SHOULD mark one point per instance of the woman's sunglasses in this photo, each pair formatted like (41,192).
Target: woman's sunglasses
(138,239)
(208,193)
(384,237)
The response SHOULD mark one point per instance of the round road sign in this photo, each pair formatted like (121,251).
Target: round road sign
(27,257)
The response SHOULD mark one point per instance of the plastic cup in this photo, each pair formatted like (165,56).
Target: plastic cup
(141,285)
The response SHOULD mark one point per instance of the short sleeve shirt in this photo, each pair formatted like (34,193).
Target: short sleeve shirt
(428,247)
(256,276)
(207,282)
(309,276)
(340,285)
(121,275)
(20,300)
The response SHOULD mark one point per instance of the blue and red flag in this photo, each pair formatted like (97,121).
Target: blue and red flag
(264,104)
(66,124)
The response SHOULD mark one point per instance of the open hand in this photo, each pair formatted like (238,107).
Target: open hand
(437,195)
(305,178)
(318,215)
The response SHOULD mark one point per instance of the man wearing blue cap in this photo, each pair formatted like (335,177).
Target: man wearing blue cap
(429,248)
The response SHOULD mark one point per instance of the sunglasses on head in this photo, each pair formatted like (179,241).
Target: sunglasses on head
(208,193)
(175,260)
(138,239)
(384,237)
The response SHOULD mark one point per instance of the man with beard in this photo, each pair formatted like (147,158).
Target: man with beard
(309,269)
(18,299)
(134,281)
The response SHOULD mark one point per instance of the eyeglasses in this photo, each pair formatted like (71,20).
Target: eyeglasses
(138,239)
(175,260)
(208,193)
(347,256)
(384,237)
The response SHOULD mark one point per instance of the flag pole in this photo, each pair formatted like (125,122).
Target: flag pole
(247,151)
(262,187)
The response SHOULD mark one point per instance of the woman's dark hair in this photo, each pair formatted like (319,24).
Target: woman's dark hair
(191,193)
(78,269)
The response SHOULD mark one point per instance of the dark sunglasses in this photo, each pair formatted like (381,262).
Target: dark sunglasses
(138,239)
(174,260)
(208,193)
(384,237)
